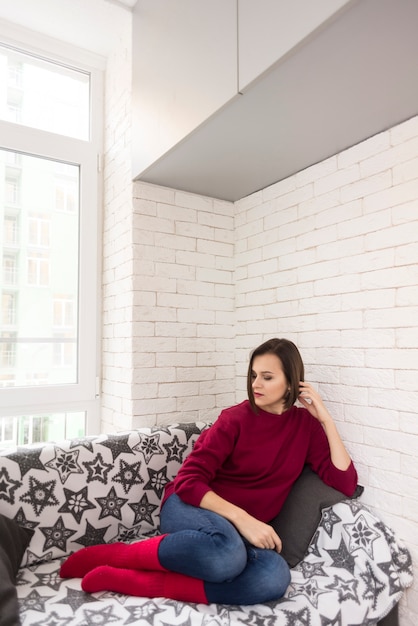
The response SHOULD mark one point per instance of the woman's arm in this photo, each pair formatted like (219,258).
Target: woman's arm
(257,533)
(312,401)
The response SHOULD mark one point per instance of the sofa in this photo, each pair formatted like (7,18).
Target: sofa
(347,566)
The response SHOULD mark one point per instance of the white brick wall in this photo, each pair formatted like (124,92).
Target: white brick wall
(117,252)
(183,292)
(329,259)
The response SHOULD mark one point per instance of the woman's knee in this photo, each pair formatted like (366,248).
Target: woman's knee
(226,560)
(274,582)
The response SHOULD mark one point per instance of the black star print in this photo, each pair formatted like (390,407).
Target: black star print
(129,475)
(329,520)
(27,459)
(76,598)
(92,536)
(313,547)
(332,622)
(374,586)
(117,444)
(51,580)
(148,445)
(97,469)
(308,590)
(144,611)
(34,559)
(301,618)
(255,619)
(189,429)
(76,503)
(86,442)
(20,519)
(33,602)
(361,535)
(103,616)
(40,495)
(8,486)
(342,558)
(402,559)
(177,607)
(175,450)
(126,535)
(111,505)
(53,619)
(65,463)
(143,510)
(391,572)
(57,535)
(311,569)
(157,480)
(347,589)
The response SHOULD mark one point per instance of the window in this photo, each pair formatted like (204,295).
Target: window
(11,184)
(49,182)
(38,270)
(8,306)
(64,311)
(39,231)
(8,351)
(10,230)
(9,269)
(44,94)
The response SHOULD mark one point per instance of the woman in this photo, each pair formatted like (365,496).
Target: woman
(216,543)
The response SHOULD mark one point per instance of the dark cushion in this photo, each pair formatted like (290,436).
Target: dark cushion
(301,513)
(13,542)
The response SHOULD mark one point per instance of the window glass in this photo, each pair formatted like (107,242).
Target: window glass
(44,95)
(27,429)
(39,250)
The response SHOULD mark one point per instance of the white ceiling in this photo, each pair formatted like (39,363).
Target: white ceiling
(88,24)
(355,78)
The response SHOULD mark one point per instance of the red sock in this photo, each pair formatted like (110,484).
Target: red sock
(145,583)
(140,555)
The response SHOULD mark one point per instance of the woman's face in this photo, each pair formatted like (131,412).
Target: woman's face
(269,383)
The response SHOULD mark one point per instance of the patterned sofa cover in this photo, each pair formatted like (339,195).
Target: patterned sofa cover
(108,488)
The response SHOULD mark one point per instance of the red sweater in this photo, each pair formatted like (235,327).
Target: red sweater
(252,460)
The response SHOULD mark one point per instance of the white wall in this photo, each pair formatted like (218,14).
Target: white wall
(328,258)
(117,262)
(183,306)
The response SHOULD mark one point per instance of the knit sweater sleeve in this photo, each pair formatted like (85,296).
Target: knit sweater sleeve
(319,458)
(210,451)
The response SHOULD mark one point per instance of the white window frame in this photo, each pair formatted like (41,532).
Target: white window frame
(83,395)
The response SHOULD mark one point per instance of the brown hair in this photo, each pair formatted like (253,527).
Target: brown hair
(292,364)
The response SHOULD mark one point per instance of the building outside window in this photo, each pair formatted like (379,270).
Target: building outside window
(49,143)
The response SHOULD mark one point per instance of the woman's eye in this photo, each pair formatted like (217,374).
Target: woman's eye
(267,377)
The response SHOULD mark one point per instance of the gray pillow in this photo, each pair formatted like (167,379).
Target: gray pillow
(14,540)
(301,513)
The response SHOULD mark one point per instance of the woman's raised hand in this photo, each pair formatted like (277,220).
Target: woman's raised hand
(312,401)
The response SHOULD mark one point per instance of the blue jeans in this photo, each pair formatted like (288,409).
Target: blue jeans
(205,545)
